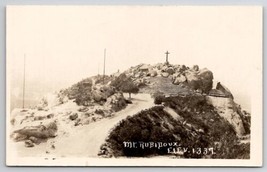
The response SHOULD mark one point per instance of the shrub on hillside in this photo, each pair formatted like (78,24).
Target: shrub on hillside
(100,79)
(195,110)
(80,92)
(151,125)
(158,97)
(200,126)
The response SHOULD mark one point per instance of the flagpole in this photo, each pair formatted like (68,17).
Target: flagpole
(23,101)
(104,66)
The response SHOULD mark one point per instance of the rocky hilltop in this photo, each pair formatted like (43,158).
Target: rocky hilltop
(193,78)
(187,105)
(173,80)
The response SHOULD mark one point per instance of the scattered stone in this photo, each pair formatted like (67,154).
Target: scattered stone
(86,114)
(137,75)
(35,140)
(189,125)
(195,68)
(170,70)
(86,122)
(182,68)
(99,112)
(77,122)
(164,74)
(29,143)
(128,101)
(83,109)
(73,116)
(50,116)
(39,118)
(179,79)
(201,131)
(153,73)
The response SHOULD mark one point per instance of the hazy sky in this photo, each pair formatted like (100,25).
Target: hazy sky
(64,44)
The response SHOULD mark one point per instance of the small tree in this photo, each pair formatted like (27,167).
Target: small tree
(129,87)
(125,84)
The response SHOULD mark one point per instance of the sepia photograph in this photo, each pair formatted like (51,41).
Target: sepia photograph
(134,85)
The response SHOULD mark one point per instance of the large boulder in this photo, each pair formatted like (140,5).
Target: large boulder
(201,80)
(97,95)
(193,80)
(206,77)
(116,102)
(39,131)
(102,93)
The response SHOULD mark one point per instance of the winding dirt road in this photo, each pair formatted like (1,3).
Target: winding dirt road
(85,141)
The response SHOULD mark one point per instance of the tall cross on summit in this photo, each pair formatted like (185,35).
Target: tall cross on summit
(167,53)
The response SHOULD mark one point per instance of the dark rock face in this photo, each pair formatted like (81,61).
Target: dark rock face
(224,90)
(206,76)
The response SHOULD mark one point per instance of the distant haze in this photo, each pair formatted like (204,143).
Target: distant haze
(66,44)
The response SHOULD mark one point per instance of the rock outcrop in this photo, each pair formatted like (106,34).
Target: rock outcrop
(194,78)
(224,90)
(228,109)
(31,134)
(116,102)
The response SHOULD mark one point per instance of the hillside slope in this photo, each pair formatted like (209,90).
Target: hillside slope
(189,106)
(191,123)
(82,140)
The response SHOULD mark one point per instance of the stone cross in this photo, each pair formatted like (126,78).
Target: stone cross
(167,53)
